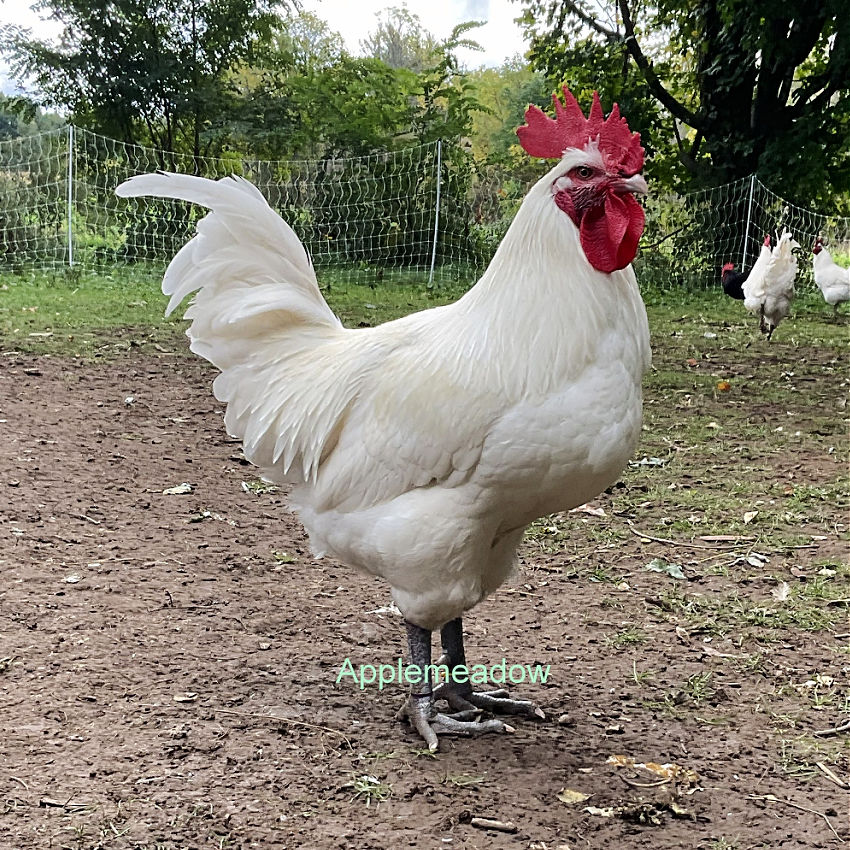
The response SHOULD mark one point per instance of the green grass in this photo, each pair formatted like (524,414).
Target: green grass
(97,314)
(79,310)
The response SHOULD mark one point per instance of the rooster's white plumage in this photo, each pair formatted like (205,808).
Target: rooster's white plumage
(419,450)
(832,280)
(769,287)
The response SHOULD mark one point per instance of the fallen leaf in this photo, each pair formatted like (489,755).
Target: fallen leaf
(756,559)
(570,797)
(186,696)
(749,516)
(607,812)
(588,509)
(723,386)
(659,565)
(648,461)
(178,490)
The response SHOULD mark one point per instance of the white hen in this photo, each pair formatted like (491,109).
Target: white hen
(420,449)
(769,288)
(832,280)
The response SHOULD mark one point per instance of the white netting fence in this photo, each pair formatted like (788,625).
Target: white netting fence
(421,213)
(689,237)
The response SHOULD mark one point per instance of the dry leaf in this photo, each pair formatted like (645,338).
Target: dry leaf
(588,509)
(186,696)
(749,516)
(607,812)
(756,559)
(178,490)
(570,797)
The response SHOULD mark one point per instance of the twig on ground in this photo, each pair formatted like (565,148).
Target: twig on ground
(517,590)
(772,798)
(17,779)
(831,776)
(644,784)
(687,544)
(276,719)
(49,802)
(836,730)
(498,825)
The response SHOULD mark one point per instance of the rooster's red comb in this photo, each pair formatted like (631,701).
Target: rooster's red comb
(548,138)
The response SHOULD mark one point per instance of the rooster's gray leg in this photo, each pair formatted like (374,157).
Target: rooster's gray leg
(460,695)
(419,707)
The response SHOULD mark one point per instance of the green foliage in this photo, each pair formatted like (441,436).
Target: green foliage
(20,116)
(724,88)
(145,71)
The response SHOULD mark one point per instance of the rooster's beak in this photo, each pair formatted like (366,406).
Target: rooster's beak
(636,183)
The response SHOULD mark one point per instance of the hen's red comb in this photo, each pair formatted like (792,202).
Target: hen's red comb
(548,138)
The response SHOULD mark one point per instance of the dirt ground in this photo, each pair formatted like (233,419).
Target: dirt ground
(168,665)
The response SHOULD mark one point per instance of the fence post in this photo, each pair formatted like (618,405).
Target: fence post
(436,210)
(70,200)
(749,220)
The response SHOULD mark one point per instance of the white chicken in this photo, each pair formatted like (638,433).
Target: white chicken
(832,280)
(769,287)
(419,450)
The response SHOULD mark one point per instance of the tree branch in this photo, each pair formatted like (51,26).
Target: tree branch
(678,110)
(589,20)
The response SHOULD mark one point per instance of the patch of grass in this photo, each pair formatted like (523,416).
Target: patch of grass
(369,788)
(69,312)
(807,608)
(641,677)
(798,757)
(698,687)
(90,314)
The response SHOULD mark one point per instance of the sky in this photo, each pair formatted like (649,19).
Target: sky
(500,37)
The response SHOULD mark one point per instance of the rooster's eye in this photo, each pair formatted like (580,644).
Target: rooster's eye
(584,171)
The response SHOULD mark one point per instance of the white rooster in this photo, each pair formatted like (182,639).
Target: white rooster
(832,280)
(769,287)
(420,449)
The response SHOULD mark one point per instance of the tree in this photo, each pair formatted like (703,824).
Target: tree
(401,41)
(143,70)
(737,86)
(19,116)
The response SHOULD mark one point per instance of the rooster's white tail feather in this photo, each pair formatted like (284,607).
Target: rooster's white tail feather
(258,316)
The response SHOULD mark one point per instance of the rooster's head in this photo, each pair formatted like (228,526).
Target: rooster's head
(727,267)
(818,246)
(595,181)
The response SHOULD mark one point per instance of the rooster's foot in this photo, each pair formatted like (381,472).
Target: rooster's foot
(496,702)
(420,712)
